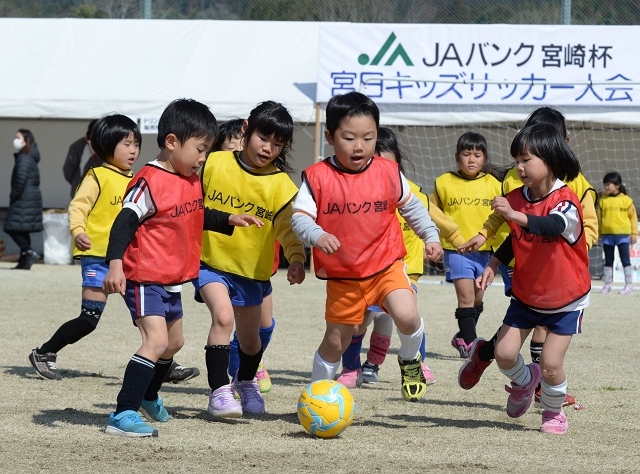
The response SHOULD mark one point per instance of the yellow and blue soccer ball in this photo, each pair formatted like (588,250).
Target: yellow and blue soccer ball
(326,408)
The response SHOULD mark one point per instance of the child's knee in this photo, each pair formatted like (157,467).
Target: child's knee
(505,357)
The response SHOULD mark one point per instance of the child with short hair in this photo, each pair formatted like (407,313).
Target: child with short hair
(552,289)
(154,247)
(618,224)
(98,200)
(353,373)
(465,197)
(346,209)
(235,271)
(230,138)
(482,351)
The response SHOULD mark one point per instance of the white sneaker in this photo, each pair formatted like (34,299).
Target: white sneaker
(606,288)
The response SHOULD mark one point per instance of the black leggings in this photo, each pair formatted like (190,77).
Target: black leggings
(623,250)
(23,239)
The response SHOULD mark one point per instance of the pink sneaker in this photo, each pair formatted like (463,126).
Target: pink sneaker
(350,378)
(554,423)
(606,288)
(627,290)
(462,347)
(519,396)
(428,375)
(471,371)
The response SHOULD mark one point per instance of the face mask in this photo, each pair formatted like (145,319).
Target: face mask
(18,144)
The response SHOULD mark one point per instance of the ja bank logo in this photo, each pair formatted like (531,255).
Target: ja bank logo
(398,52)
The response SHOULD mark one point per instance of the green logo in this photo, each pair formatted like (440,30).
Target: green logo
(399,51)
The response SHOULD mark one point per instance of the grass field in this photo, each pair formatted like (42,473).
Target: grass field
(57,426)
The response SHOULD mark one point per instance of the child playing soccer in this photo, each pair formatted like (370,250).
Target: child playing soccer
(353,374)
(465,197)
(551,282)
(154,247)
(235,271)
(346,209)
(618,224)
(482,352)
(116,140)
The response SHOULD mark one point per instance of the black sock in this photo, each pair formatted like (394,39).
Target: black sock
(248,365)
(487,351)
(479,309)
(217,359)
(536,349)
(74,330)
(466,323)
(161,370)
(137,377)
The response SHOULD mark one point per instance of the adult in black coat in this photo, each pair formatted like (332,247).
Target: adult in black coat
(79,159)
(25,202)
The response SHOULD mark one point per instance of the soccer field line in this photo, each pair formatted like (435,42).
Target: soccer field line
(499,283)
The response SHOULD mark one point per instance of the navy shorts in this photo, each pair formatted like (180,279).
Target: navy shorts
(458,266)
(242,291)
(94,269)
(152,300)
(522,317)
(507,276)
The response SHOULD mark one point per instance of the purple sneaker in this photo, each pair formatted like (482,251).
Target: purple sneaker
(519,396)
(249,391)
(222,404)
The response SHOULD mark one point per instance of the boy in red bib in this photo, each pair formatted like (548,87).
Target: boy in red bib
(346,209)
(154,247)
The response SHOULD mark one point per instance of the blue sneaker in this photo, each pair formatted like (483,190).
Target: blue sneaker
(129,423)
(154,410)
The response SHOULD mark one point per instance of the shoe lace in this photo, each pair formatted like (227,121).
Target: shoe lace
(412,372)
(250,391)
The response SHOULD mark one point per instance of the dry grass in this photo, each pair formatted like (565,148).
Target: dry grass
(57,426)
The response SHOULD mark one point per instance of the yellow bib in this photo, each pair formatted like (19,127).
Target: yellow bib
(112,185)
(615,214)
(264,193)
(467,202)
(414,244)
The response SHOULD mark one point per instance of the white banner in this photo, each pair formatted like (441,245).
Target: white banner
(543,64)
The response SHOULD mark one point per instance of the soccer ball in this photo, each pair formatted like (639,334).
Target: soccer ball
(326,408)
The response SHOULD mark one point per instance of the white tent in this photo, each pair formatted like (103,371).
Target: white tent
(69,68)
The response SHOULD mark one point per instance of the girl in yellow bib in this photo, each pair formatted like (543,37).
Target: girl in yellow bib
(465,196)
(618,224)
(235,270)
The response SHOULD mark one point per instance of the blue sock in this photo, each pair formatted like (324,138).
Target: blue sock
(234,357)
(351,357)
(265,334)
(423,347)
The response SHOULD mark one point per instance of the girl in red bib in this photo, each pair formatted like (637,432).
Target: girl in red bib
(551,281)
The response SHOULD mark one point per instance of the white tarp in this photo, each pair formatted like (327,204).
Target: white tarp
(71,68)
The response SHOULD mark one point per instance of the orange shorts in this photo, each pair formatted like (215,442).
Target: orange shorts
(347,300)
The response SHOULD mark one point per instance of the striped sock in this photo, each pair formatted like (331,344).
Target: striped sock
(552,396)
(519,373)
(137,377)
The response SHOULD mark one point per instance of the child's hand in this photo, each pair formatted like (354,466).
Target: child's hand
(486,278)
(244,220)
(501,205)
(472,244)
(328,243)
(115,281)
(634,239)
(296,273)
(82,241)
(433,251)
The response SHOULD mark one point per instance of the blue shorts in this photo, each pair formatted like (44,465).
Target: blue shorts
(615,239)
(242,291)
(507,275)
(522,317)
(152,300)
(94,269)
(377,308)
(459,266)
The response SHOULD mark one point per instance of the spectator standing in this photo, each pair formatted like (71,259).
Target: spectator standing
(80,159)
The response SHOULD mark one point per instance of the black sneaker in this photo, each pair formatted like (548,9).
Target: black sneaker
(178,373)
(45,365)
(31,256)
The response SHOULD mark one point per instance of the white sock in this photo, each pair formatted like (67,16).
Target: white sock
(552,396)
(628,275)
(608,275)
(519,373)
(323,370)
(410,343)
